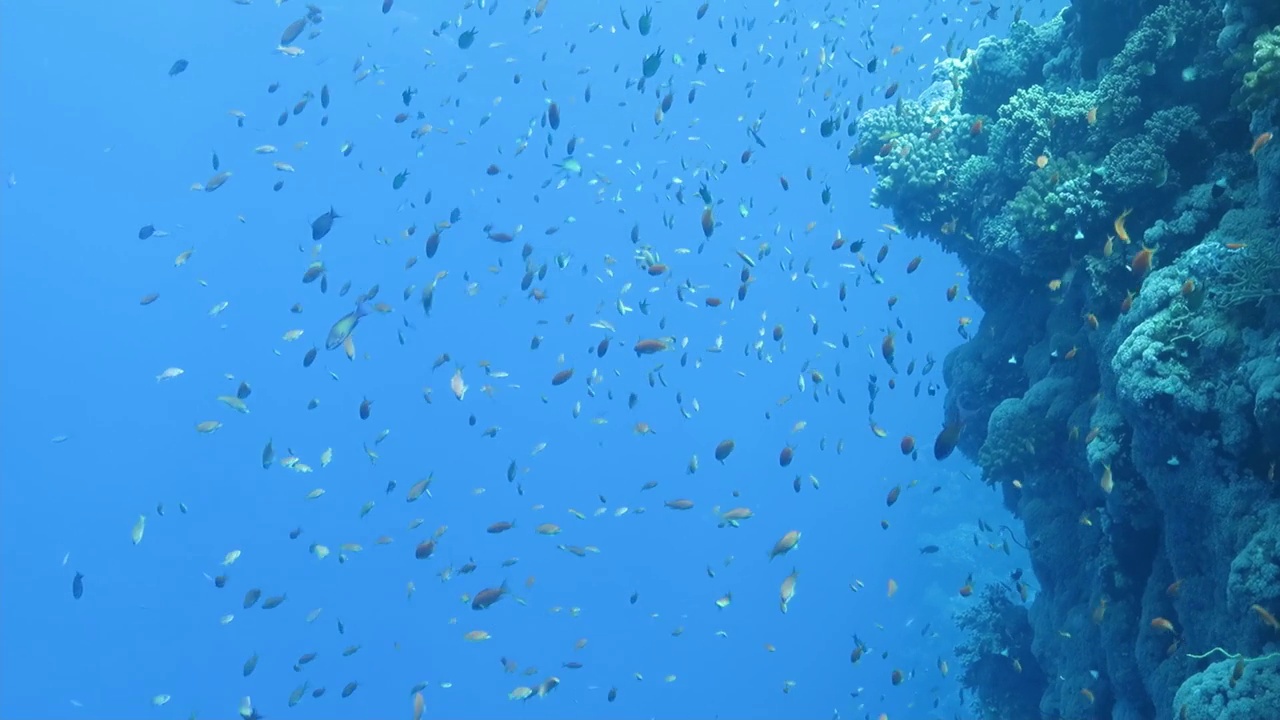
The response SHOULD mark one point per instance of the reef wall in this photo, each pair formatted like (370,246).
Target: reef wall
(1107,180)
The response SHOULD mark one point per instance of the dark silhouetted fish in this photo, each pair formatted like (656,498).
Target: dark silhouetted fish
(489,596)
(323,224)
(292,32)
(77,586)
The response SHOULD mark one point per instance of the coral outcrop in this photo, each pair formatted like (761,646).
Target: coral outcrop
(1107,181)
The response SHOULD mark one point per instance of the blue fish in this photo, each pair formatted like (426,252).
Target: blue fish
(345,325)
(323,224)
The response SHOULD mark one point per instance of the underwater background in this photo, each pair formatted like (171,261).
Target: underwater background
(562,359)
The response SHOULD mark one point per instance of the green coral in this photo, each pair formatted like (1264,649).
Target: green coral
(1044,223)
(1262,83)
(1057,200)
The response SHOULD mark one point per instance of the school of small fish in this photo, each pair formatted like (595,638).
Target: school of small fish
(690,285)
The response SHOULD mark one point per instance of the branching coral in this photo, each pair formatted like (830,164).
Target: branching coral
(1153,368)
(1249,275)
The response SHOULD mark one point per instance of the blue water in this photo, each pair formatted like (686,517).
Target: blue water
(99,140)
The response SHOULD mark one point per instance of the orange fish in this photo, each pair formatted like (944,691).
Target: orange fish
(947,438)
(650,346)
(887,348)
(893,495)
(1162,624)
(1141,263)
(1267,618)
(1119,226)
(1100,611)
(786,455)
(1260,142)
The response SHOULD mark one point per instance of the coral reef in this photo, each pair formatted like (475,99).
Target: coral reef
(998,655)
(1106,180)
(1262,81)
(1235,689)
